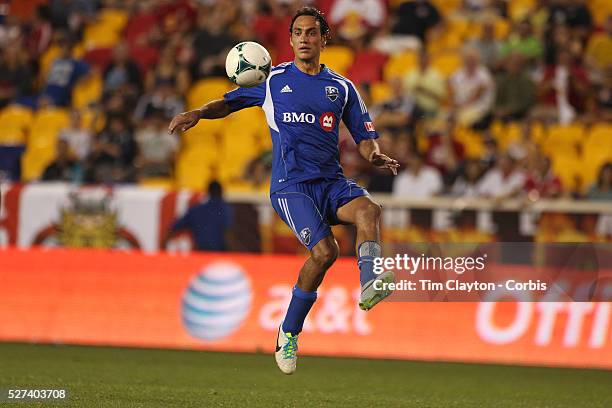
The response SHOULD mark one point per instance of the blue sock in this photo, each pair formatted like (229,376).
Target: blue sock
(300,305)
(367,251)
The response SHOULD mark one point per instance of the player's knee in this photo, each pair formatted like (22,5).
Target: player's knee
(369,213)
(326,254)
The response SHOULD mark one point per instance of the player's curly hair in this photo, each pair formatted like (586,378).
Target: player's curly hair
(314,12)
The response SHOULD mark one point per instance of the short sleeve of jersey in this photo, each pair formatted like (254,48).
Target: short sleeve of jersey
(241,98)
(356,117)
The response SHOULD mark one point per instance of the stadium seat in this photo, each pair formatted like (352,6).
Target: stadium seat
(99,36)
(446,62)
(566,167)
(400,64)
(35,160)
(205,90)
(16,121)
(191,171)
(337,57)
(471,140)
(380,92)
(46,125)
(157,182)
(564,139)
(88,90)
(519,9)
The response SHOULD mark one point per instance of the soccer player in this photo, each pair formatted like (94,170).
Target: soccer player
(304,102)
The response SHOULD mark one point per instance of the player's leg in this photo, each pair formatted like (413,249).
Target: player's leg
(365,214)
(300,213)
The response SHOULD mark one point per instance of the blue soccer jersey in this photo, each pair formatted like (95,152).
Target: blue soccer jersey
(303,113)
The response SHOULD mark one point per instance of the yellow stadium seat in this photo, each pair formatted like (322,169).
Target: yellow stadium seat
(337,57)
(157,182)
(88,90)
(35,160)
(380,92)
(446,62)
(206,90)
(567,167)
(99,36)
(564,139)
(400,64)
(472,142)
(519,9)
(16,121)
(191,172)
(600,137)
(113,19)
(46,125)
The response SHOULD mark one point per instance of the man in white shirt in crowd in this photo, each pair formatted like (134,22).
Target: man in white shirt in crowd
(418,180)
(502,181)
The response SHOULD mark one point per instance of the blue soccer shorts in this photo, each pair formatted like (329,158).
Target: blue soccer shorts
(309,207)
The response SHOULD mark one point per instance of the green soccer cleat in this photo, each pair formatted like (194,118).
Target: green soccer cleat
(286,351)
(370,297)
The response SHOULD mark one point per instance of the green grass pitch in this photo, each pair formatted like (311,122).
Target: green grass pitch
(119,377)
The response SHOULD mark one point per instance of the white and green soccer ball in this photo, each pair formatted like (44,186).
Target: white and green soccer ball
(248,64)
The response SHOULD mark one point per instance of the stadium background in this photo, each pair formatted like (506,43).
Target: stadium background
(173,53)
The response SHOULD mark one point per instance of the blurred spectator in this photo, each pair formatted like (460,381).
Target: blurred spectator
(122,73)
(572,13)
(113,152)
(489,155)
(63,75)
(444,152)
(258,170)
(395,113)
(473,92)
(523,149)
(418,180)
(524,43)
(141,23)
(167,70)
(515,91)
(601,104)
(208,221)
(164,97)
(41,32)
(466,184)
(368,64)
(428,87)
(372,12)
(416,18)
(15,75)
(211,43)
(156,148)
(488,45)
(381,180)
(72,14)
(563,90)
(560,38)
(542,182)
(77,136)
(64,167)
(598,56)
(502,181)
(602,189)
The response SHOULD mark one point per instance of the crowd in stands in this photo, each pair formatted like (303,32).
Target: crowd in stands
(475,98)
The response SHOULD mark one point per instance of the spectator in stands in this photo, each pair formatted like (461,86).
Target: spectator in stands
(444,152)
(112,154)
(602,189)
(396,113)
(40,34)
(601,103)
(541,182)
(211,42)
(15,75)
(64,74)
(372,12)
(122,73)
(524,150)
(524,43)
(472,92)
(427,86)
(502,181)
(164,97)
(515,91)
(208,221)
(167,70)
(598,56)
(77,136)
(563,90)
(368,64)
(382,181)
(418,180)
(64,167)
(490,154)
(572,13)
(156,148)
(416,18)
(488,45)
(72,14)
(466,184)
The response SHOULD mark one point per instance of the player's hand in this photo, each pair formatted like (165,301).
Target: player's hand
(184,121)
(384,161)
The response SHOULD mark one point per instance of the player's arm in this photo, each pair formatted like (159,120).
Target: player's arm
(369,149)
(212,110)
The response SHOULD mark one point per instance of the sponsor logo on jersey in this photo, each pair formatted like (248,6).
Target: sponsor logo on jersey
(305,236)
(286,89)
(298,117)
(327,121)
(369,126)
(332,93)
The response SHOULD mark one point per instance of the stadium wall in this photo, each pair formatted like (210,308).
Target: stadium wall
(235,302)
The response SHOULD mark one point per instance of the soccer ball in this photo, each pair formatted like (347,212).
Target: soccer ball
(248,64)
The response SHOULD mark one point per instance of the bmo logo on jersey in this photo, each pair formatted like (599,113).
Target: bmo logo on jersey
(295,117)
(327,121)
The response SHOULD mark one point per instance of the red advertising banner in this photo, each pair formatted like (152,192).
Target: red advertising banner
(235,302)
